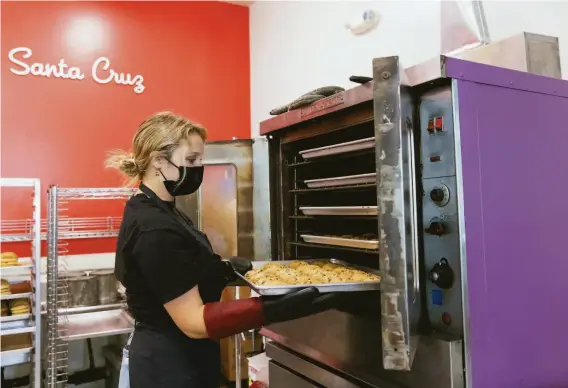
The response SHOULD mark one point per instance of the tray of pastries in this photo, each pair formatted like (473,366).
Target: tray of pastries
(327,275)
(363,241)
(9,259)
(15,310)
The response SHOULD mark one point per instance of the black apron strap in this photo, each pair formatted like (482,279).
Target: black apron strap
(179,217)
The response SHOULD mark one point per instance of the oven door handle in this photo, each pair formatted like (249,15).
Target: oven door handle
(413,212)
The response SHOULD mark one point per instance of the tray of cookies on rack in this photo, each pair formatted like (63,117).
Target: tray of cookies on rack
(327,275)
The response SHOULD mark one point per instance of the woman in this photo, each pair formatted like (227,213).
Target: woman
(173,279)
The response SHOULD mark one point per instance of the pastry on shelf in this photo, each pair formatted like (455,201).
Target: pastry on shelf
(19,306)
(9,259)
(5,287)
(5,310)
(21,287)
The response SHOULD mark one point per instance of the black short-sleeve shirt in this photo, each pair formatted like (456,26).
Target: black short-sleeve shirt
(160,256)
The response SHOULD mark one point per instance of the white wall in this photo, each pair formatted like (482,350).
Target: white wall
(299,46)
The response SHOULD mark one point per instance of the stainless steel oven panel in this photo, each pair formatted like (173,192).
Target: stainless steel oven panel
(280,377)
(436,248)
(440,219)
(437,146)
(398,218)
(261,199)
(233,228)
(352,345)
(283,378)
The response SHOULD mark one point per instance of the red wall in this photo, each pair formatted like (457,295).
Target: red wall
(194,57)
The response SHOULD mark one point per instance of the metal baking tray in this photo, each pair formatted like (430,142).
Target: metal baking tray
(15,318)
(22,295)
(15,268)
(323,288)
(15,356)
(342,180)
(340,148)
(96,324)
(340,241)
(339,210)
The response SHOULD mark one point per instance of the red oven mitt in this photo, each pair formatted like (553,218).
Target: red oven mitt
(223,319)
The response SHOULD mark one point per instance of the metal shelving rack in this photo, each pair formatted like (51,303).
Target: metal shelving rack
(73,228)
(57,288)
(29,323)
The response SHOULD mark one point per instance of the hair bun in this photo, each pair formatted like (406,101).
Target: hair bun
(124,162)
(129,167)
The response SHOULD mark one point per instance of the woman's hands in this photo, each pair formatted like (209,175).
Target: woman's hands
(236,264)
(222,319)
(298,304)
(240,264)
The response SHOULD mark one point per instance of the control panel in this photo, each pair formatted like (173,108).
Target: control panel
(440,213)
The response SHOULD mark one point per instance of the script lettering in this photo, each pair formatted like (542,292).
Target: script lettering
(101,71)
(118,78)
(61,70)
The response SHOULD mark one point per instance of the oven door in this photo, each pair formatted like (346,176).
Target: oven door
(398,214)
(223,206)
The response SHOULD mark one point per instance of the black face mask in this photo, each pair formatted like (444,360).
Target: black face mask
(189,181)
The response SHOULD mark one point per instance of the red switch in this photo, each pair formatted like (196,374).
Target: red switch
(446,319)
(439,124)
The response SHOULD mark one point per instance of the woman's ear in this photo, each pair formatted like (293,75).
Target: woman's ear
(157,160)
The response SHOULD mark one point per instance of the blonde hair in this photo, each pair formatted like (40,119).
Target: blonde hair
(159,134)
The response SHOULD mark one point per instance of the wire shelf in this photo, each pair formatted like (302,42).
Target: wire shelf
(96,193)
(68,228)
(59,228)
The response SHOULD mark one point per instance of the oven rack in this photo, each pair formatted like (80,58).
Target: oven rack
(334,247)
(336,182)
(60,329)
(304,217)
(29,324)
(325,159)
(361,186)
(71,228)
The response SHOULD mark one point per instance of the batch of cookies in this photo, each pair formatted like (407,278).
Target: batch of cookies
(301,272)
(15,307)
(9,259)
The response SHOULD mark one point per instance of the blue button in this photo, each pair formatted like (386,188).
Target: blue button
(437,297)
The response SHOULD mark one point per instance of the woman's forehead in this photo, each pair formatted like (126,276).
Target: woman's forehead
(193,144)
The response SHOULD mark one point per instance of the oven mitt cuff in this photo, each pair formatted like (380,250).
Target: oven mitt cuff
(223,319)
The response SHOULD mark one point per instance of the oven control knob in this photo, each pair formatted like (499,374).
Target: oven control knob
(436,228)
(442,274)
(437,195)
(440,195)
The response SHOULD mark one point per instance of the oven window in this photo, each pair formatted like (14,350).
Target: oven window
(218,210)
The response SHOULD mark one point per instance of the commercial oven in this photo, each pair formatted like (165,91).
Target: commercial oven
(449,178)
